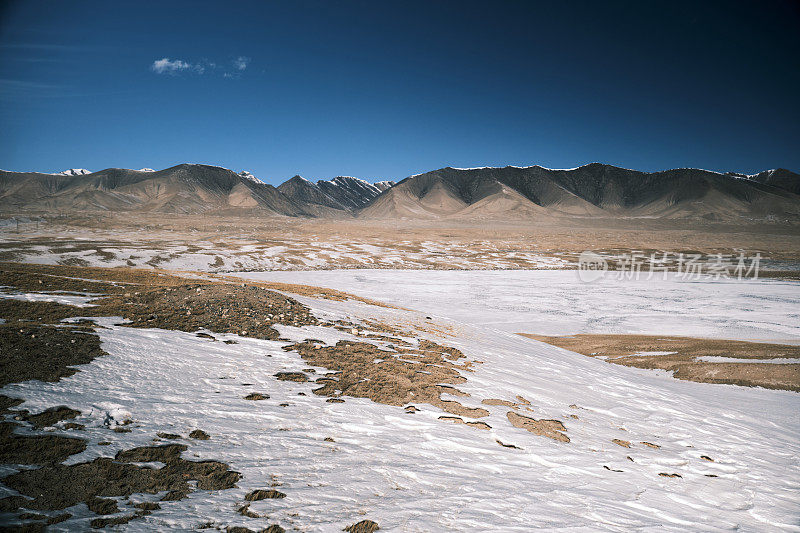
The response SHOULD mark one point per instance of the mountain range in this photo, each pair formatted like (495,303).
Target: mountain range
(517,193)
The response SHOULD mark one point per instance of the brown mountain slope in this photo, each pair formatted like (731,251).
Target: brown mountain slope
(513,193)
(590,190)
(180,189)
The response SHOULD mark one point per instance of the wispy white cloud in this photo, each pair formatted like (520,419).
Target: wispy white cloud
(169,66)
(241,62)
(174,67)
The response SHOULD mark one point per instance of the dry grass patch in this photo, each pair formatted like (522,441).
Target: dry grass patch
(552,429)
(399,377)
(495,401)
(459,420)
(622,350)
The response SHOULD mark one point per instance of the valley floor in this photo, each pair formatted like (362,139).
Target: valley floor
(429,412)
(220,244)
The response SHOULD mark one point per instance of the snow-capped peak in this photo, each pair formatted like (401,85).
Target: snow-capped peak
(248,176)
(74,172)
(350,178)
(146,170)
(383,185)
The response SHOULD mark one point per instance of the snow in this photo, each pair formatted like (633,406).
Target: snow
(248,176)
(413,472)
(769,173)
(383,185)
(720,359)
(146,170)
(550,302)
(623,168)
(74,172)
(348,182)
(347,178)
(60,298)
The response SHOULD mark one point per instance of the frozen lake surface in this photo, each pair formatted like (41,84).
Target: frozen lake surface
(549,302)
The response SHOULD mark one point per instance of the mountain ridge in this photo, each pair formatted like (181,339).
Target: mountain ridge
(510,192)
(594,189)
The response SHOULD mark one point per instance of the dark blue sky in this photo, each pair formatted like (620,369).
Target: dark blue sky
(389,89)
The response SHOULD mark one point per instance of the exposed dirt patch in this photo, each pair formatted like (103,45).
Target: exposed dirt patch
(551,429)
(621,350)
(42,278)
(292,376)
(39,523)
(99,523)
(102,505)
(459,420)
(273,528)
(495,401)
(147,506)
(398,378)
(263,494)
(7,403)
(220,307)
(35,449)
(50,417)
(20,312)
(244,510)
(256,396)
(155,299)
(458,409)
(199,434)
(44,352)
(75,278)
(58,486)
(365,526)
(453,391)
(623,443)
